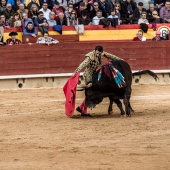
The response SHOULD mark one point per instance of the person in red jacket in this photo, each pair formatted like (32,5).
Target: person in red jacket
(57,10)
(139,36)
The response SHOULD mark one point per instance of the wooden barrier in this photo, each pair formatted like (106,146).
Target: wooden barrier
(98,33)
(65,57)
(60,38)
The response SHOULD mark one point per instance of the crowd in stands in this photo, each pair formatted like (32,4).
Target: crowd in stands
(28,14)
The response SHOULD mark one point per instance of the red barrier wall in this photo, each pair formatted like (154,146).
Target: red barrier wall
(65,57)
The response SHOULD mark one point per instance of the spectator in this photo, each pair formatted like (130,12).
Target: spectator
(111,4)
(118,10)
(30,30)
(15,21)
(45,10)
(104,7)
(95,9)
(41,22)
(97,18)
(115,19)
(137,13)
(151,2)
(1,33)
(127,9)
(25,20)
(8,12)
(72,20)
(61,21)
(22,10)
(159,4)
(165,12)
(3,22)
(13,40)
(33,12)
(143,19)
(48,2)
(76,3)
(84,19)
(46,39)
(32,3)
(16,6)
(157,37)
(139,36)
(63,4)
(149,11)
(2,5)
(155,18)
(81,9)
(52,21)
(68,10)
(56,10)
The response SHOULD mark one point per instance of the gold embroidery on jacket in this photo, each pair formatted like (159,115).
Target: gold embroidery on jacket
(91,63)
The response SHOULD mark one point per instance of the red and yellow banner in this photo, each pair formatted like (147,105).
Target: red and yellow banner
(98,33)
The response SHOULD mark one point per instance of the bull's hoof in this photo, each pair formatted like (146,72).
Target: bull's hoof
(110,112)
(86,115)
(132,111)
(123,115)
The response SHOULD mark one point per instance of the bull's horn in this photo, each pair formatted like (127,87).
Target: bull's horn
(80,89)
(85,86)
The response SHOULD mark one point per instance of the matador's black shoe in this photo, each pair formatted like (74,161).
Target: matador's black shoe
(79,110)
(86,115)
(82,114)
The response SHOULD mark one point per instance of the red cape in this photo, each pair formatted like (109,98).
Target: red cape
(70,94)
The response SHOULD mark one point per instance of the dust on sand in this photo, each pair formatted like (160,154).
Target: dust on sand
(37,135)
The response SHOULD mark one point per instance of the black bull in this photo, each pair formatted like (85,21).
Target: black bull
(106,87)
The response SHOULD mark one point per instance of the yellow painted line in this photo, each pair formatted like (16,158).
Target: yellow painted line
(50,33)
(92,35)
(69,32)
(113,34)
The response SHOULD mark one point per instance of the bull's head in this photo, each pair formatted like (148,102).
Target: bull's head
(93,97)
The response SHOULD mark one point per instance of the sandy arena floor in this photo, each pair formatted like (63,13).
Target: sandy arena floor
(35,133)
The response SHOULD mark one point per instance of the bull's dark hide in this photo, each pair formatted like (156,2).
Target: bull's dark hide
(106,86)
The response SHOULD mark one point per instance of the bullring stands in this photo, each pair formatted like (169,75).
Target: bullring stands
(95,33)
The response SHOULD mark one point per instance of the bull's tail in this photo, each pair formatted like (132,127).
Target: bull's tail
(151,73)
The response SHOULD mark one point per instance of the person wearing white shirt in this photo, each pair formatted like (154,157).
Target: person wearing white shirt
(143,19)
(114,16)
(46,39)
(139,36)
(52,21)
(97,18)
(45,10)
